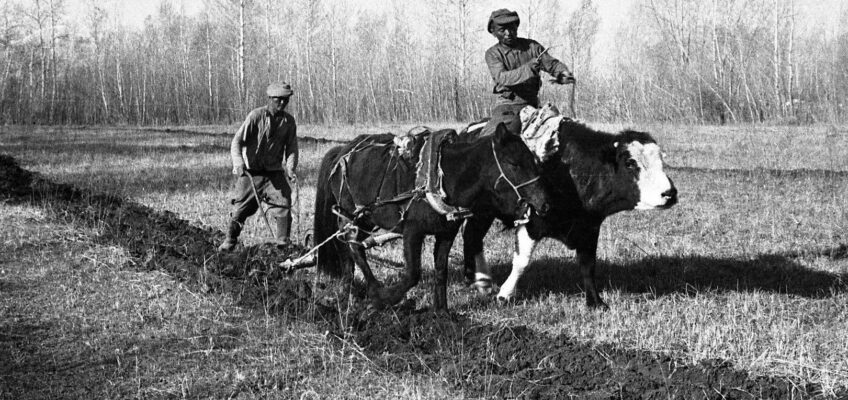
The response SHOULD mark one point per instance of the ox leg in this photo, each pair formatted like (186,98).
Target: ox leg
(524,246)
(357,252)
(441,251)
(345,253)
(587,259)
(412,243)
(476,269)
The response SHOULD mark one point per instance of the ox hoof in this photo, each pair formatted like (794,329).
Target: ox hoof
(377,304)
(506,301)
(484,287)
(367,316)
(441,313)
(374,291)
(485,291)
(406,304)
(597,305)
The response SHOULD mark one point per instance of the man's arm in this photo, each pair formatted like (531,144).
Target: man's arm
(555,67)
(238,143)
(292,153)
(506,77)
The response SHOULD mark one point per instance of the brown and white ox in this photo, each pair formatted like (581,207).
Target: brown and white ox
(590,175)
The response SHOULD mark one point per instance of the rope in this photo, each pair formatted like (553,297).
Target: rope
(291,264)
(505,178)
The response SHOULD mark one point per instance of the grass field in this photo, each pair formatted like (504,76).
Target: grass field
(751,267)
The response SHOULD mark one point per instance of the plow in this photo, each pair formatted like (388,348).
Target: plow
(347,233)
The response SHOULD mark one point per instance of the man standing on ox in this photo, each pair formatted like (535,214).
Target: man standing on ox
(515,63)
(264,151)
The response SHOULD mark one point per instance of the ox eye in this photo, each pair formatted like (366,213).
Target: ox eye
(631,164)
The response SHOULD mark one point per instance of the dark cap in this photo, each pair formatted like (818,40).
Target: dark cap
(502,17)
(279,89)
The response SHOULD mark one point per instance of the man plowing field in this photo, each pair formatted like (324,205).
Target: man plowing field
(264,153)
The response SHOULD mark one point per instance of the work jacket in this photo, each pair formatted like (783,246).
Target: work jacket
(263,143)
(515,81)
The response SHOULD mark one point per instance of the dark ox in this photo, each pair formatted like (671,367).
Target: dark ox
(369,185)
(591,176)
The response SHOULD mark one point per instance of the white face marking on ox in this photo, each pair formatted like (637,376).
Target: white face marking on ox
(524,246)
(653,183)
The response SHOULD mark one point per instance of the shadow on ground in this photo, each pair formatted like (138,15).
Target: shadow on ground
(661,276)
(480,360)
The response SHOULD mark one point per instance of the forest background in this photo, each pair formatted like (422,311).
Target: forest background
(353,62)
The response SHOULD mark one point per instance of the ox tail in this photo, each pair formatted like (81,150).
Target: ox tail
(329,259)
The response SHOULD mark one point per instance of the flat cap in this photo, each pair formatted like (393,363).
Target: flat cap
(279,89)
(502,17)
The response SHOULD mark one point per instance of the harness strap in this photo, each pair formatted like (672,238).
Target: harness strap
(397,199)
(506,179)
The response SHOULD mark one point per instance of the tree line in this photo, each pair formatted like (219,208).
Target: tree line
(715,61)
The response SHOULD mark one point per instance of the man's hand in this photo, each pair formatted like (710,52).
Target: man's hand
(238,170)
(565,78)
(535,65)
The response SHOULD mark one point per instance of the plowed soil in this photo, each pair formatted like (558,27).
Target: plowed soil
(481,360)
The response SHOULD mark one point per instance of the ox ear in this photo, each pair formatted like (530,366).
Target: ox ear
(501,133)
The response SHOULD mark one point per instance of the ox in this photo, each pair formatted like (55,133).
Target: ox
(589,176)
(368,188)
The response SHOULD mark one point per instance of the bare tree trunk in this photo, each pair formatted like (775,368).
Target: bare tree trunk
(54,5)
(334,69)
(119,84)
(143,96)
(312,107)
(717,67)
(269,47)
(43,54)
(373,93)
(790,78)
(102,82)
(6,71)
(334,75)
(137,97)
(31,86)
(776,60)
(242,86)
(211,99)
(461,80)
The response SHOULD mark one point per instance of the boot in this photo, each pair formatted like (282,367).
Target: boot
(232,237)
(284,222)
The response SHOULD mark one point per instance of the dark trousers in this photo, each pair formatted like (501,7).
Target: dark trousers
(273,189)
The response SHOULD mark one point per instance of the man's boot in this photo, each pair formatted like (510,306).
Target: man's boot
(232,237)
(284,222)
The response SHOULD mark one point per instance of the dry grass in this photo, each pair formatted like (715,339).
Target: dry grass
(746,268)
